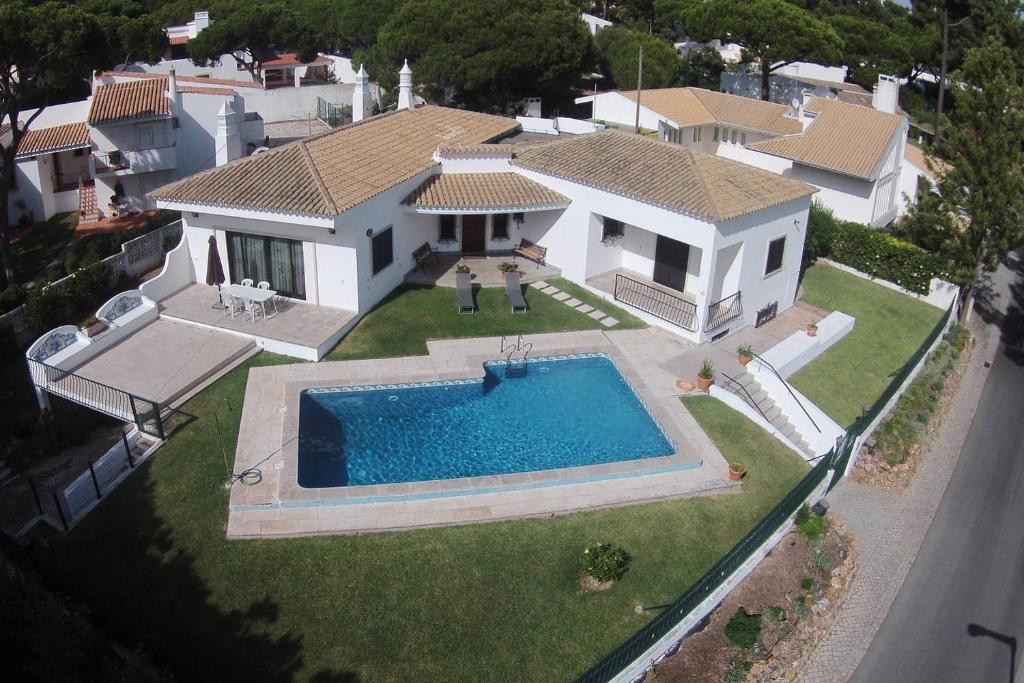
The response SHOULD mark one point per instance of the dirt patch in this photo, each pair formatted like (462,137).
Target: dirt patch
(796,586)
(873,469)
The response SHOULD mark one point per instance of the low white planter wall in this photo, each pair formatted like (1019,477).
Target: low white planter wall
(799,348)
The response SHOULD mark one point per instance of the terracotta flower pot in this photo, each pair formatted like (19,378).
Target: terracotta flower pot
(812,330)
(744,359)
(736,474)
(703,384)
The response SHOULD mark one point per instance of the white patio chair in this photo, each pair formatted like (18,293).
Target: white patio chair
(254,308)
(263,284)
(235,304)
(246,282)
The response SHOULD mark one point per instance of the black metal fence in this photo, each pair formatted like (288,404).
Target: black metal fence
(657,302)
(95,482)
(333,115)
(100,397)
(723,311)
(632,649)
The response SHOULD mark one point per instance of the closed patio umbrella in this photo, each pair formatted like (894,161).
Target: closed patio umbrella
(214,270)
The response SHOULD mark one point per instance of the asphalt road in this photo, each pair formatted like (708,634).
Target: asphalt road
(960,613)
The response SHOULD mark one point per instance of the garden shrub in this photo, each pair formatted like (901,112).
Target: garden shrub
(738,671)
(744,629)
(809,524)
(11,297)
(900,432)
(871,251)
(45,308)
(604,562)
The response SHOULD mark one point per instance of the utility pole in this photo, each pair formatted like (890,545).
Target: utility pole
(639,87)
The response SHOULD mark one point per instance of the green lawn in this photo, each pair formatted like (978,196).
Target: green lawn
(482,602)
(889,328)
(34,252)
(407,318)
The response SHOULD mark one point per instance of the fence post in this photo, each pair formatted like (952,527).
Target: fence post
(35,495)
(60,511)
(95,482)
(127,450)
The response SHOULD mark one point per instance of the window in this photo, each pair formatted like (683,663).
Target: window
(743,138)
(714,135)
(383,250)
(612,228)
(499,226)
(732,137)
(776,249)
(447,230)
(276,260)
(79,152)
(696,134)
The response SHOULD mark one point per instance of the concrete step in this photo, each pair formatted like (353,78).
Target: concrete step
(789,431)
(746,379)
(780,422)
(806,448)
(213,374)
(772,413)
(758,394)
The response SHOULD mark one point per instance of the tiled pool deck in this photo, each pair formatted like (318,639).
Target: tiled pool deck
(278,506)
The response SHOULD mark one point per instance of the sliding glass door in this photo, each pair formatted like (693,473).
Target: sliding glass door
(274,259)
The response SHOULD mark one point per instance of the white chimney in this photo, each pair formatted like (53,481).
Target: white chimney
(405,87)
(229,138)
(201,21)
(172,92)
(886,94)
(361,102)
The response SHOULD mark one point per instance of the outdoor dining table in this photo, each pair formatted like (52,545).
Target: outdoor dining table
(254,295)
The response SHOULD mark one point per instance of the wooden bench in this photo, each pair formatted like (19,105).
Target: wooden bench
(424,254)
(531,251)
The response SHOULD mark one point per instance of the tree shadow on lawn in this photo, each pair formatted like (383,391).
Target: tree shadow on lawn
(145,590)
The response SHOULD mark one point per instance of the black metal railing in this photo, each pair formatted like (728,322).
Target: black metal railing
(100,397)
(723,311)
(789,389)
(657,302)
(632,649)
(733,385)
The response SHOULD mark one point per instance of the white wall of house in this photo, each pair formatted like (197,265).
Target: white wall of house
(57,114)
(196,136)
(616,108)
(34,191)
(851,199)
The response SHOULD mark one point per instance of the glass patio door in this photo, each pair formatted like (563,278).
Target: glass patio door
(274,259)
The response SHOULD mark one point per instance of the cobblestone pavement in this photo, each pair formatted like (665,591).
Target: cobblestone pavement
(891,527)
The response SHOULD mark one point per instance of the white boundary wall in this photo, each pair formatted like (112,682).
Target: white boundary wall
(941,294)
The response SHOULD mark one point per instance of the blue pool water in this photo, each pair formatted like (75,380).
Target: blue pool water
(564,412)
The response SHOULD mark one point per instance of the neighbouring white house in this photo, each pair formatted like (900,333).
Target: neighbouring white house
(101,156)
(731,53)
(786,88)
(692,242)
(853,154)
(593,23)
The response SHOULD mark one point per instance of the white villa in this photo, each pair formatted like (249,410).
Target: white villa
(853,154)
(130,137)
(695,243)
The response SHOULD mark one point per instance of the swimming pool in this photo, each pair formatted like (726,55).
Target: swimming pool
(566,411)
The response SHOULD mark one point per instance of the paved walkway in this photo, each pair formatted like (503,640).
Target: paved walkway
(572,302)
(890,529)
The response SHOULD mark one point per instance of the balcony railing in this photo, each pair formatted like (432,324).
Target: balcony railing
(657,302)
(723,311)
(139,161)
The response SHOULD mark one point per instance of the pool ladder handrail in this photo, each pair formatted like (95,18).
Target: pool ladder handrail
(511,349)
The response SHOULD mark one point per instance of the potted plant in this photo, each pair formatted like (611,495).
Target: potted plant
(812,329)
(91,326)
(462,268)
(745,353)
(737,471)
(601,565)
(507,267)
(705,375)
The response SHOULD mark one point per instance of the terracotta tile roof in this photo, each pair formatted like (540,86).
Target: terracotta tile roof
(698,107)
(663,174)
(54,139)
(227,92)
(330,173)
(835,85)
(503,151)
(484,191)
(845,138)
(289,59)
(177,40)
(130,100)
(199,80)
(917,157)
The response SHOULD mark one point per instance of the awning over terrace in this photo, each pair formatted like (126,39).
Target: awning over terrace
(483,193)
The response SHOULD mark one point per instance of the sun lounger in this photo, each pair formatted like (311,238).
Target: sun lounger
(464,291)
(514,292)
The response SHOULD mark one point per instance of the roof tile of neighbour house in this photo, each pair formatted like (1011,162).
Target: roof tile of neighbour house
(129,100)
(198,80)
(917,157)
(177,40)
(484,191)
(290,59)
(845,138)
(698,107)
(227,92)
(54,139)
(663,174)
(330,173)
(503,151)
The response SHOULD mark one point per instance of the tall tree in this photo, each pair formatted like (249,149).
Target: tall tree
(254,32)
(704,68)
(773,33)
(485,56)
(870,48)
(47,50)
(348,24)
(982,194)
(620,50)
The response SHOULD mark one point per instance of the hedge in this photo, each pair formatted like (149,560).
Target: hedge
(871,251)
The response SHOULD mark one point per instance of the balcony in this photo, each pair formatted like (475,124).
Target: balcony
(122,162)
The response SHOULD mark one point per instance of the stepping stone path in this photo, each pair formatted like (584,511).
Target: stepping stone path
(575,303)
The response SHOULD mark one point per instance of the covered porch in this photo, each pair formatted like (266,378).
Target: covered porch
(484,271)
(297,329)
